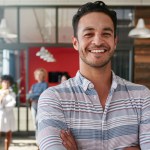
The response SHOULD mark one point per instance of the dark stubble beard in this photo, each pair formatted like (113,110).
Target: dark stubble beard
(100,65)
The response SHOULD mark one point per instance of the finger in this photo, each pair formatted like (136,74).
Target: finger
(72,139)
(63,135)
(67,146)
(68,141)
(132,148)
(68,137)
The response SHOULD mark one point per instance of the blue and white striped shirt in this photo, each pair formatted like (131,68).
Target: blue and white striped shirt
(75,105)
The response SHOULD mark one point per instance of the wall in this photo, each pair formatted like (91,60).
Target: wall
(66,60)
(142,50)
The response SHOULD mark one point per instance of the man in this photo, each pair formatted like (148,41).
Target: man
(95,110)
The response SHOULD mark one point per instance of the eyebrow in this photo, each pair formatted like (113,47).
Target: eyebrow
(91,28)
(108,29)
(88,29)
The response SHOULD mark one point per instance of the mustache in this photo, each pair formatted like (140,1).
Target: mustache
(105,47)
(101,46)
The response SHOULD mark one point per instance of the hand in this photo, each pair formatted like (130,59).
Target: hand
(3,95)
(1,98)
(6,92)
(132,148)
(68,140)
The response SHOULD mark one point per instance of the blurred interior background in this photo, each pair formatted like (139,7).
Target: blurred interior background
(37,33)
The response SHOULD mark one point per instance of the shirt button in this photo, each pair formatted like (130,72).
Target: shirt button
(91,86)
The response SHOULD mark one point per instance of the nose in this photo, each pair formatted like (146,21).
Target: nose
(98,40)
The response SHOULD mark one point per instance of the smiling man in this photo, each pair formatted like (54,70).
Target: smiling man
(95,110)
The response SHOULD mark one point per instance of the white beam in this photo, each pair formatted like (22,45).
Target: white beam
(73,2)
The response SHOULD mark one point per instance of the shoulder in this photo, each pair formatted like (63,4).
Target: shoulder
(45,83)
(35,84)
(58,88)
(61,90)
(130,84)
(136,89)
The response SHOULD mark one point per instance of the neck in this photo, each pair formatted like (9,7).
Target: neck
(101,78)
(98,76)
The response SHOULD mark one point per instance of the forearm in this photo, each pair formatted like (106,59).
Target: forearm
(132,148)
(34,96)
(48,137)
(3,95)
(49,126)
(10,100)
(51,120)
(11,104)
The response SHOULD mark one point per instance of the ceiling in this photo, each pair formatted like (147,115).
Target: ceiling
(38,25)
(74,2)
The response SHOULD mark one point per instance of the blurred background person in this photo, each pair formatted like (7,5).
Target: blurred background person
(7,103)
(65,76)
(40,75)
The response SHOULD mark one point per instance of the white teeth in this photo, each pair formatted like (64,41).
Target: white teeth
(98,51)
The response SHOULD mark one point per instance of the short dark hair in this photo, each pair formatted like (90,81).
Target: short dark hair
(97,6)
(65,74)
(8,78)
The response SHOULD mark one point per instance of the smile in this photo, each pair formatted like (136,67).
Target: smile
(98,51)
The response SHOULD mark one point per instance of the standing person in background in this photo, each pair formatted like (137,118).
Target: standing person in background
(36,90)
(65,76)
(7,103)
(101,110)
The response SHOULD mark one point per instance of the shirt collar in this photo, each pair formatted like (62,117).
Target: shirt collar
(114,81)
(82,81)
(85,83)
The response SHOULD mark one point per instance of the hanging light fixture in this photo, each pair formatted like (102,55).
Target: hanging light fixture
(45,55)
(4,31)
(140,31)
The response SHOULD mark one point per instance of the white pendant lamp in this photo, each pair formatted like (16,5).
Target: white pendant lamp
(140,31)
(4,31)
(45,55)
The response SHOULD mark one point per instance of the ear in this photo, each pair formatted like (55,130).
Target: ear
(116,41)
(75,43)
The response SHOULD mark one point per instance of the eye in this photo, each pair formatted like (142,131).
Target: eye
(107,34)
(88,34)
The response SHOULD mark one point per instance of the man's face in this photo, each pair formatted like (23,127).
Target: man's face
(95,39)
(39,76)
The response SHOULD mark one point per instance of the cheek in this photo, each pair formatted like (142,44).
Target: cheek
(83,44)
(112,44)
(4,85)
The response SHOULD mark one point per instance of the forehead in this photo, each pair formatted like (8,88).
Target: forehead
(63,77)
(95,20)
(39,72)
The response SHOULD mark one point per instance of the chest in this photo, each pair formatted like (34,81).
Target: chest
(89,113)
(38,88)
(87,120)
